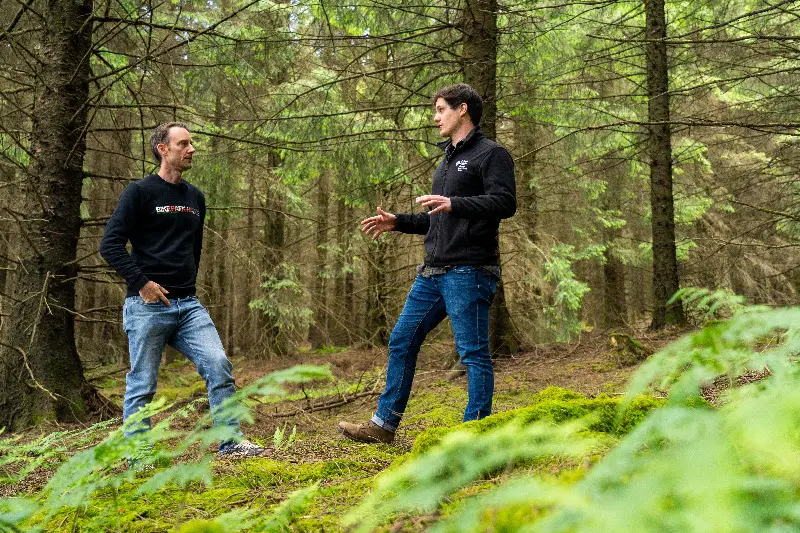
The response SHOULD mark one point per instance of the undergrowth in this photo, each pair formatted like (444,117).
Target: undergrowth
(93,490)
(685,467)
(562,462)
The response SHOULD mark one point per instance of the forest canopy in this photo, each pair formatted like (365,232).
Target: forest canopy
(655,147)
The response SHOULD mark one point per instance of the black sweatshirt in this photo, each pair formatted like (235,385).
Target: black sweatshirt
(164,223)
(478,176)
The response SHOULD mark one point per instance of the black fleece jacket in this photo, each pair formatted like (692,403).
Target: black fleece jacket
(478,176)
(164,223)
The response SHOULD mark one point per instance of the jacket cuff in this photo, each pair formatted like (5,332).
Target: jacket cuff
(403,224)
(140,282)
(456,206)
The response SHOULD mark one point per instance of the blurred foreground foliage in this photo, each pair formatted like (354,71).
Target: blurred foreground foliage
(660,458)
(685,467)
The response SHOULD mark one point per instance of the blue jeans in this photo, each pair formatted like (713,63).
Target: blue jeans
(187,327)
(464,294)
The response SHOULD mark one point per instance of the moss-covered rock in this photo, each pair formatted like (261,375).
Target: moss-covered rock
(627,351)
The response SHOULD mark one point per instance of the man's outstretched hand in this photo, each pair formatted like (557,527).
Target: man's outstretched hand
(436,202)
(376,225)
(153,292)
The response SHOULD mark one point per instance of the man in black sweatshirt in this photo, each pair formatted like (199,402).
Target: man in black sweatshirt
(162,216)
(473,189)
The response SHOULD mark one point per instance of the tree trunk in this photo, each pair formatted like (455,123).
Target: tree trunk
(340,322)
(615,308)
(503,341)
(231,303)
(479,56)
(221,300)
(349,306)
(41,376)
(274,245)
(6,263)
(219,223)
(318,332)
(665,263)
(615,302)
(349,314)
(376,328)
(253,275)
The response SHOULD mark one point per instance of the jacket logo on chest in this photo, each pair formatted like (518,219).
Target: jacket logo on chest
(177,209)
(461,164)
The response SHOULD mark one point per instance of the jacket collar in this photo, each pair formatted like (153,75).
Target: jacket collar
(475,133)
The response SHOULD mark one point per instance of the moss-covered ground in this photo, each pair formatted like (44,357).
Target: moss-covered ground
(553,383)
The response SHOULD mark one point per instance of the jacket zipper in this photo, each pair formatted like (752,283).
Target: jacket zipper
(438,224)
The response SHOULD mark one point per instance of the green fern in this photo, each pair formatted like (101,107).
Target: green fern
(98,473)
(687,467)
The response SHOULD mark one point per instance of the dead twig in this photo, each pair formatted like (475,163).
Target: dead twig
(330,404)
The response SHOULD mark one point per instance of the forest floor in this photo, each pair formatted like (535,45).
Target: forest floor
(346,470)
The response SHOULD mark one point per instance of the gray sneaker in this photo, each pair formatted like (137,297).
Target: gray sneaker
(243,449)
(367,432)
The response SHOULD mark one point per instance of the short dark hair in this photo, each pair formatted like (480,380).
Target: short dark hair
(161,136)
(461,93)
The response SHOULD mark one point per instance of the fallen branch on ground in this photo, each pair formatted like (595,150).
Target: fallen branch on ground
(330,404)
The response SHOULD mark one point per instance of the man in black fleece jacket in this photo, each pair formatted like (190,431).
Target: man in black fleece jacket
(473,189)
(162,216)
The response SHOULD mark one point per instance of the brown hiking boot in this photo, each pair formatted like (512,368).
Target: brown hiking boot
(368,432)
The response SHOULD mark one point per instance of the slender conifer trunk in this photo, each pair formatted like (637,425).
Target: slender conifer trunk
(665,262)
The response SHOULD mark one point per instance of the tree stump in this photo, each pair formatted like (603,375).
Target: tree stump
(627,351)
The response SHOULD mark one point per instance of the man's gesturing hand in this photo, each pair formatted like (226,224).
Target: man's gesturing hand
(153,292)
(437,202)
(381,222)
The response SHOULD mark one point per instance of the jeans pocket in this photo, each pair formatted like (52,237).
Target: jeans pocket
(126,311)
(140,301)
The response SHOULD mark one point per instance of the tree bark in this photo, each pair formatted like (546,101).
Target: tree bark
(41,376)
(253,275)
(479,57)
(231,303)
(6,263)
(665,262)
(615,308)
(376,326)
(318,332)
(341,324)
(274,236)
(615,302)
(219,222)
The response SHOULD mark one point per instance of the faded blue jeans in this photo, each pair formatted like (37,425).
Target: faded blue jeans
(464,294)
(187,327)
